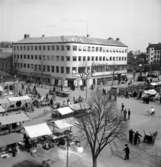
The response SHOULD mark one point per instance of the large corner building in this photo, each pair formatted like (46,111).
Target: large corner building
(70,60)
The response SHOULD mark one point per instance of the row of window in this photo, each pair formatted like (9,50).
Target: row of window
(68,58)
(67,70)
(67,48)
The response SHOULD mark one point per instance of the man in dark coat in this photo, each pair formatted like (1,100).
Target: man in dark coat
(127,152)
(131,136)
(125,113)
(137,138)
(129,114)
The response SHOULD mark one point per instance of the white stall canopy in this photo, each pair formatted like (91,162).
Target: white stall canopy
(65,110)
(19,98)
(38,130)
(2,110)
(13,118)
(150,92)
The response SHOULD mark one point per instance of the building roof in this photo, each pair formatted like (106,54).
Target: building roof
(72,39)
(13,118)
(65,110)
(155,46)
(10,139)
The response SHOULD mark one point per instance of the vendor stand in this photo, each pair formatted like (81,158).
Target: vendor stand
(9,143)
(12,123)
(62,113)
(38,134)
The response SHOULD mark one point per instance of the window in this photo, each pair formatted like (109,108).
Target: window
(35,67)
(24,56)
(39,67)
(100,58)
(93,48)
(28,47)
(57,58)
(28,65)
(100,49)
(48,57)
(62,69)
(44,47)
(48,68)
(62,58)
(39,57)
(53,47)
(21,56)
(62,47)
(103,58)
(67,70)
(52,68)
(89,48)
(35,57)
(31,56)
(88,58)
(79,58)
(113,58)
(28,56)
(74,69)
(96,49)
(74,58)
(44,68)
(24,65)
(92,58)
(84,58)
(35,47)
(80,48)
(39,47)
(74,48)
(68,58)
(110,58)
(96,58)
(57,47)
(57,69)
(48,47)
(31,47)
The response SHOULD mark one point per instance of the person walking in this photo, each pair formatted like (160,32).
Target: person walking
(122,106)
(129,114)
(125,113)
(127,152)
(131,136)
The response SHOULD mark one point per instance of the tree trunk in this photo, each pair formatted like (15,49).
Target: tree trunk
(94,161)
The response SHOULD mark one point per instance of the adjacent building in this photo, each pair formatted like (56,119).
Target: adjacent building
(6,60)
(154,53)
(70,60)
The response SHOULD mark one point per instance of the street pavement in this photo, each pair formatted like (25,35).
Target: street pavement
(141,155)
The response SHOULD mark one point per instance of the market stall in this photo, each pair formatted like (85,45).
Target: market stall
(62,112)
(12,122)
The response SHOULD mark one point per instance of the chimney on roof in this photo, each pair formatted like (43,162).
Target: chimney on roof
(117,39)
(26,36)
(110,38)
(43,35)
(87,35)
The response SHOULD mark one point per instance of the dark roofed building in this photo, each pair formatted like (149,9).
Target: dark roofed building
(6,60)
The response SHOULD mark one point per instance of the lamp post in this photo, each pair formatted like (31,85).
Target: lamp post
(85,76)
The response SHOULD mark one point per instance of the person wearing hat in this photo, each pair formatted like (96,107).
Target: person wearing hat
(127,152)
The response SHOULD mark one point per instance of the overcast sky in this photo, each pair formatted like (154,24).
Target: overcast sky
(135,22)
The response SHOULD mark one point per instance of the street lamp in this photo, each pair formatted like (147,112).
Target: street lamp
(85,76)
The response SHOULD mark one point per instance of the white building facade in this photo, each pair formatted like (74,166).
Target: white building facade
(154,53)
(70,60)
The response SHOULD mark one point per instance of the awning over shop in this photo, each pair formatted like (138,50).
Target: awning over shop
(19,98)
(2,110)
(10,139)
(79,106)
(65,123)
(13,118)
(38,130)
(65,110)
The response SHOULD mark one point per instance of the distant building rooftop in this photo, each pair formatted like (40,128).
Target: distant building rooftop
(72,39)
(155,46)
(4,55)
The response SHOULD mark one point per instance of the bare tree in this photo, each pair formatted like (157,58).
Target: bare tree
(103,125)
